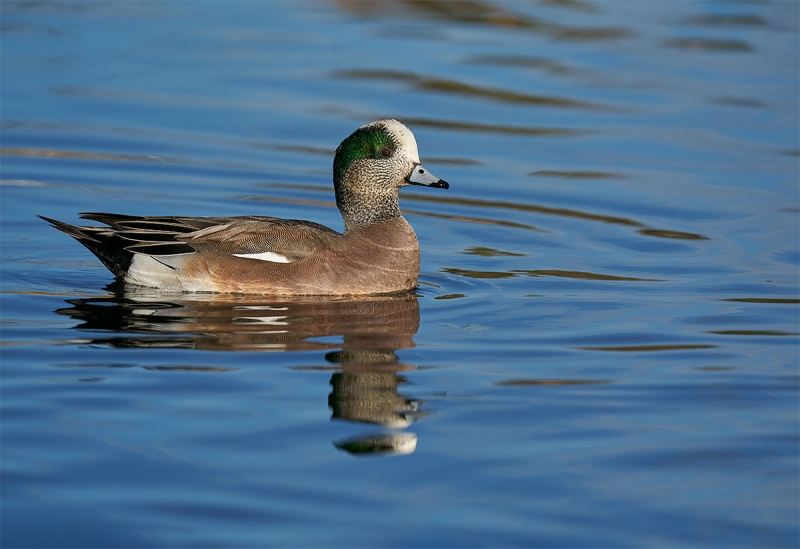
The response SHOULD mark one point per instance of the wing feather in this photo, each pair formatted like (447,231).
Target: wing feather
(289,238)
(162,236)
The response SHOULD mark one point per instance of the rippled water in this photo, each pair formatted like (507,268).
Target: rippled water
(603,349)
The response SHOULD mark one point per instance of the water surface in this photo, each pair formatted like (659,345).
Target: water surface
(603,348)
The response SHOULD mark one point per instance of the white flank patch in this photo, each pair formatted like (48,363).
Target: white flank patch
(266,256)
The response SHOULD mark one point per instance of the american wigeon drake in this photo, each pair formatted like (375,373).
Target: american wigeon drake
(377,253)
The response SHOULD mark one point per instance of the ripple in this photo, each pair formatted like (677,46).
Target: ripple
(548,65)
(576,174)
(29,183)
(527,208)
(483,204)
(470,273)
(650,348)
(82,155)
(406,211)
(294,148)
(189,368)
(709,44)
(481,13)
(540,382)
(492,15)
(593,33)
(754,332)
(454,87)
(584,275)
(451,160)
(450,296)
(489,252)
(726,20)
(739,102)
(478,127)
(771,300)
(659,233)
(478,220)
(28,28)
(575,5)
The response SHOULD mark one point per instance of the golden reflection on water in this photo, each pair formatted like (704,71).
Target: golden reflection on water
(363,335)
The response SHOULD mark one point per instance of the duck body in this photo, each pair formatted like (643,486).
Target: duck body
(378,258)
(377,253)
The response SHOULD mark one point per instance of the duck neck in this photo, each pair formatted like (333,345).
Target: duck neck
(360,211)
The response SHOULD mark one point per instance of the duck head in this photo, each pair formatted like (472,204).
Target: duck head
(370,166)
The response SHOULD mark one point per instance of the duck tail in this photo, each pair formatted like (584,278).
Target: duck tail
(102,242)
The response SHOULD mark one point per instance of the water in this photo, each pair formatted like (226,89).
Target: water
(603,350)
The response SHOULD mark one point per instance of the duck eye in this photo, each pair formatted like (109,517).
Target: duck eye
(386,152)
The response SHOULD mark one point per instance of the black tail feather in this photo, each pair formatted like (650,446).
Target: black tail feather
(102,242)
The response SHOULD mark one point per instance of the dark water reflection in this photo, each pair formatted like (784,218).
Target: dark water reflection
(365,332)
(143,318)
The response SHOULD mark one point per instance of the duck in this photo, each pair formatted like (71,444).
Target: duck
(378,252)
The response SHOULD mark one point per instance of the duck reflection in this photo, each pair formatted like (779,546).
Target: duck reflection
(367,391)
(143,318)
(365,387)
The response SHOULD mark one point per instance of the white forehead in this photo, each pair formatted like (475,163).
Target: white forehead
(402,136)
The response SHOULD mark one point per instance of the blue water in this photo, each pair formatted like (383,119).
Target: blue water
(603,349)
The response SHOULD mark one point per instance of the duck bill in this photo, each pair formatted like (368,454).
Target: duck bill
(421,176)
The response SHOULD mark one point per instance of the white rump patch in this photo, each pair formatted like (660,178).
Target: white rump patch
(266,256)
